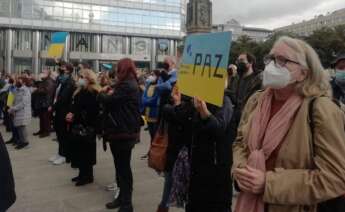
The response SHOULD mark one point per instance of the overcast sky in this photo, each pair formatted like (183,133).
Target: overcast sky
(271,13)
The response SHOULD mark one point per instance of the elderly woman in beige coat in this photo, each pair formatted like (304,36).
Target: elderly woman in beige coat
(280,163)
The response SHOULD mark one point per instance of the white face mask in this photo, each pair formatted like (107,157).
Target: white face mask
(276,77)
(151,79)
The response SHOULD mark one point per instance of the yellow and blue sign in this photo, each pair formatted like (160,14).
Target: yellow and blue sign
(203,70)
(57,44)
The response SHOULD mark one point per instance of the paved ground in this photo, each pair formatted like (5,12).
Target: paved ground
(43,187)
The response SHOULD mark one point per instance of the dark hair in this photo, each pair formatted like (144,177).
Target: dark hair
(69,67)
(27,71)
(157,72)
(126,70)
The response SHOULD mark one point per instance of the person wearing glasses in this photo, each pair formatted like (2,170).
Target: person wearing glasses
(288,156)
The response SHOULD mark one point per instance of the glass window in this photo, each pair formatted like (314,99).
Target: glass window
(45,40)
(141,46)
(23,40)
(82,42)
(163,47)
(112,44)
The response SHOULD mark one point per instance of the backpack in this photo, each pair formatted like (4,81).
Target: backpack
(336,204)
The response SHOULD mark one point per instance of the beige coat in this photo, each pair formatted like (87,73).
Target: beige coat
(294,186)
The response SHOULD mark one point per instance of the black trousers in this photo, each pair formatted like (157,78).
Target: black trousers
(63,137)
(200,207)
(86,171)
(45,121)
(122,153)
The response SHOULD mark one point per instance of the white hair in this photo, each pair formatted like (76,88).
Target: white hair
(317,80)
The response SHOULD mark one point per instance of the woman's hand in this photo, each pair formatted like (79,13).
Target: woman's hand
(201,107)
(250,180)
(176,96)
(69,117)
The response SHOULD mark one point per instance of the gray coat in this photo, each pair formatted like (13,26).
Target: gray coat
(21,107)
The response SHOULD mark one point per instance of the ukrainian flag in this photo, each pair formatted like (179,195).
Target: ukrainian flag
(57,44)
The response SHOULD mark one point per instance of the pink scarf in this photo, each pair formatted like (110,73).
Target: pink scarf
(264,137)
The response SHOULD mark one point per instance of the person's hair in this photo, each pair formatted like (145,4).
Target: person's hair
(91,77)
(316,82)
(157,72)
(85,65)
(126,70)
(171,59)
(27,71)
(251,59)
(69,67)
(103,77)
(24,79)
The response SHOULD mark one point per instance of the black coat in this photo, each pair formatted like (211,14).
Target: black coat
(122,112)
(7,192)
(179,124)
(86,110)
(210,151)
(63,104)
(211,159)
(338,93)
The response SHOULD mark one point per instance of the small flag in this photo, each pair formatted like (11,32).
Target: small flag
(57,44)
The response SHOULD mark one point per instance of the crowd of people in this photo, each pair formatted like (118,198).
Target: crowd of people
(278,138)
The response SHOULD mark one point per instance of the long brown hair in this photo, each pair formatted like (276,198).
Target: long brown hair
(126,70)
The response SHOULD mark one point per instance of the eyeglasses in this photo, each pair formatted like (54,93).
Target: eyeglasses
(278,60)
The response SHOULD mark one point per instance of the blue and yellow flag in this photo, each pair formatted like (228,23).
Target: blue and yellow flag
(203,70)
(57,44)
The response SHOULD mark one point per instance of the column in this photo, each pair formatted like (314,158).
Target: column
(153,63)
(35,52)
(127,49)
(66,50)
(97,41)
(8,51)
(172,48)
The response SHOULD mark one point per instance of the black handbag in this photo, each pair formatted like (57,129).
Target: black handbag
(82,132)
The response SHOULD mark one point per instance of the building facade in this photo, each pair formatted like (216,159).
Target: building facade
(257,34)
(306,28)
(100,31)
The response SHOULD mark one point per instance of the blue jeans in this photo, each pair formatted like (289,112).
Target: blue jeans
(166,190)
(20,135)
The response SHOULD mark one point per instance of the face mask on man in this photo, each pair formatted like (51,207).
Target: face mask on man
(241,68)
(340,76)
(151,79)
(276,77)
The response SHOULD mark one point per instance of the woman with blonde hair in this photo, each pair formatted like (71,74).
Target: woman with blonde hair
(82,121)
(289,152)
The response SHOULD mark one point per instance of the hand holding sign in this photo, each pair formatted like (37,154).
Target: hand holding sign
(201,107)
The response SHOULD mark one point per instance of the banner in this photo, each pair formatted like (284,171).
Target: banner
(57,44)
(203,69)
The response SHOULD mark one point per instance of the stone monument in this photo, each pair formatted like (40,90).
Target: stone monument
(199,16)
